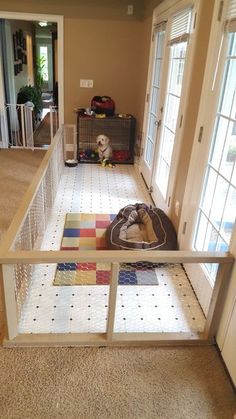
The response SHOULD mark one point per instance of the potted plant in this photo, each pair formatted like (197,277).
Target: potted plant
(31,94)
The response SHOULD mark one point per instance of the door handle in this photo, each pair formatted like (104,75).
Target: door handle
(158,123)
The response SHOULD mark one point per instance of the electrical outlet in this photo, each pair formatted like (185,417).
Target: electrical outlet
(86,83)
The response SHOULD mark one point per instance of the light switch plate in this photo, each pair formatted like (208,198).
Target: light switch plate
(86,83)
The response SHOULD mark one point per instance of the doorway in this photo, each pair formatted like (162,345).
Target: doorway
(58,20)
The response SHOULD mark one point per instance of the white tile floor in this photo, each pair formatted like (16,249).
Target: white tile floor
(170,306)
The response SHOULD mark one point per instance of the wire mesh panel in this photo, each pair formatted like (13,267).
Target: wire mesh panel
(23,278)
(169,305)
(30,234)
(50,308)
(121,132)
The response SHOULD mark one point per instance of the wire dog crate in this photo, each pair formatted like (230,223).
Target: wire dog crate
(120,130)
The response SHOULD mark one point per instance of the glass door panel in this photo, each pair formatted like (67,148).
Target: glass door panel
(152,118)
(218,202)
(173,94)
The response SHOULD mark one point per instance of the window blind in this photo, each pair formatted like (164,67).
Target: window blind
(231,12)
(231,16)
(160,27)
(180,26)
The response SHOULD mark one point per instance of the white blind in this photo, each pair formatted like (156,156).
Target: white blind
(180,26)
(160,27)
(231,12)
(231,16)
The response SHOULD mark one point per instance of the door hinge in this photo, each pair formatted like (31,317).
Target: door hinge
(169,201)
(200,135)
(220,11)
(195,20)
(181,120)
(184,227)
(147,97)
(153,37)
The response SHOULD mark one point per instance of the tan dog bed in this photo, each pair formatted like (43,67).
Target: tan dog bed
(141,227)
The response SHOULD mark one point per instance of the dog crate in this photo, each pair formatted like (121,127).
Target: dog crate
(120,130)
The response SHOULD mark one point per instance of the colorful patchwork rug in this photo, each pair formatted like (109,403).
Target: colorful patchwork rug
(87,232)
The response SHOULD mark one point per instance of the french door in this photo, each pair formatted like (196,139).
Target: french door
(165,98)
(209,207)
(154,100)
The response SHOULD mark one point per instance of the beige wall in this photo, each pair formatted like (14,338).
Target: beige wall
(114,55)
(101,43)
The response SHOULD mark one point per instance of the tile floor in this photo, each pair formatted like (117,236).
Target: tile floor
(170,306)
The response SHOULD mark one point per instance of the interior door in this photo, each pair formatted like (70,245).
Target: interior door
(153,116)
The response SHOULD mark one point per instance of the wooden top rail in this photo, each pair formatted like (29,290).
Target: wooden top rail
(22,211)
(127,256)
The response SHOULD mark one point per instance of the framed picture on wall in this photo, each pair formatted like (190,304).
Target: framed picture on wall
(14,47)
(24,59)
(19,53)
(16,69)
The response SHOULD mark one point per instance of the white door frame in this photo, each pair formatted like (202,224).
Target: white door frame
(60,30)
(164,12)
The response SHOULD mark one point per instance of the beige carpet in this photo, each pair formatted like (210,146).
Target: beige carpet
(102,383)
(90,383)
(17,168)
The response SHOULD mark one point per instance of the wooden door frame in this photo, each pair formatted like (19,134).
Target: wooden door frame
(60,30)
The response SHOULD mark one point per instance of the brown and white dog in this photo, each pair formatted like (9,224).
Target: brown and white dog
(104,148)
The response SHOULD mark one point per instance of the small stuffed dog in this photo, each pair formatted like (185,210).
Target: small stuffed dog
(104,148)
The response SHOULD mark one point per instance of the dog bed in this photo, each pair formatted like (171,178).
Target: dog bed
(141,227)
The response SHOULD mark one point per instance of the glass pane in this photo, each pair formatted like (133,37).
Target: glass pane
(232,45)
(167,145)
(172,109)
(228,88)
(210,239)
(201,231)
(221,246)
(229,215)
(229,153)
(152,126)
(43,52)
(154,99)
(155,96)
(157,73)
(219,135)
(149,149)
(163,176)
(176,68)
(218,204)
(160,44)
(233,180)
(208,190)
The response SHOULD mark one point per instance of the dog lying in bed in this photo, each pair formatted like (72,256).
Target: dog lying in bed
(104,148)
